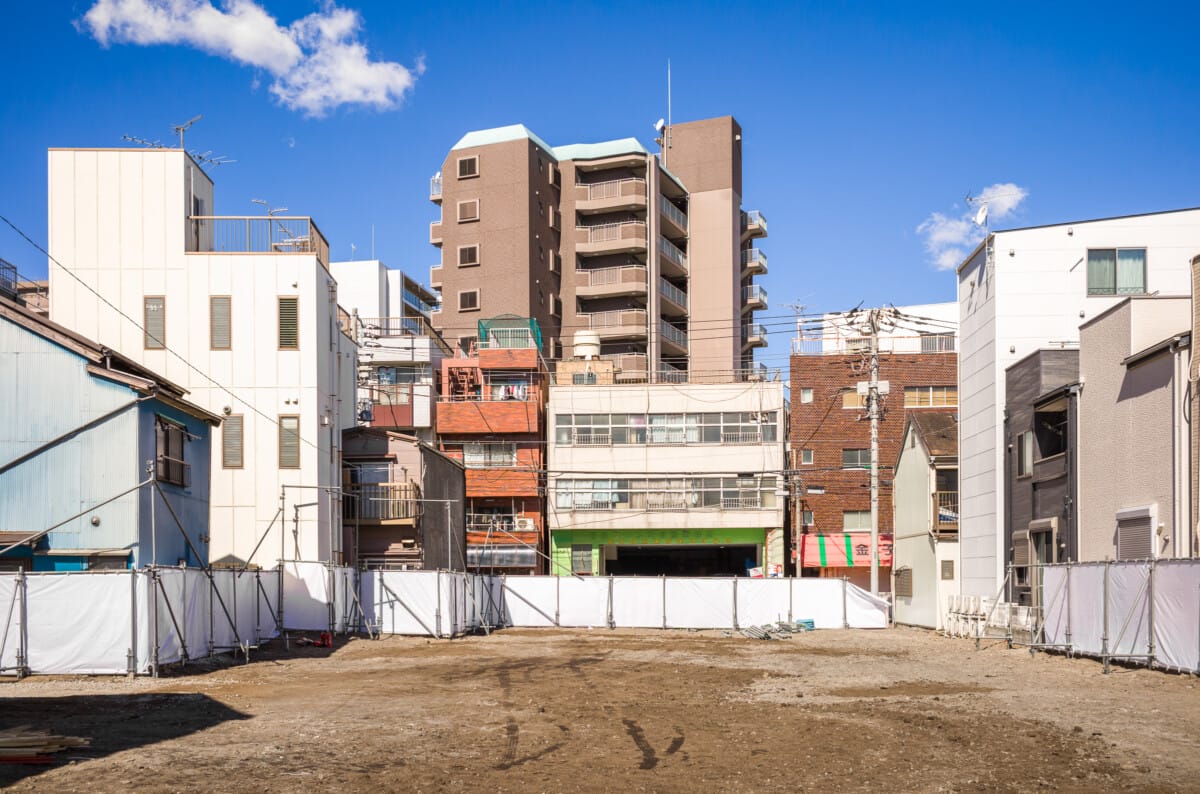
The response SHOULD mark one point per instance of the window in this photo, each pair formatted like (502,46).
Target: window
(489,454)
(806,518)
(583,378)
(468,211)
(667,494)
(854,520)
(947,570)
(289,323)
(232,440)
(170,467)
(468,167)
(930,396)
(806,457)
(468,300)
(581,558)
(468,255)
(1135,533)
(806,395)
(937,343)
(1116,271)
(154,322)
(852,399)
(467,345)
(904,583)
(1025,454)
(856,458)
(858,344)
(1050,432)
(814,490)
(289,442)
(219,321)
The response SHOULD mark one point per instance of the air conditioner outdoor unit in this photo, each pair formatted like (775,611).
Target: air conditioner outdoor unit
(525,525)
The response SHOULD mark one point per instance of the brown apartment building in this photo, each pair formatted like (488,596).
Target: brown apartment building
(830,433)
(605,237)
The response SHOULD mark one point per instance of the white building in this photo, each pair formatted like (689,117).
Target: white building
(1026,289)
(683,479)
(242,311)
(399,351)
(920,328)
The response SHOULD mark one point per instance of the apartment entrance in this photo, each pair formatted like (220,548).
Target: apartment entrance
(679,560)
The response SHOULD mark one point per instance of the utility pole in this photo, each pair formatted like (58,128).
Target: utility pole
(874,388)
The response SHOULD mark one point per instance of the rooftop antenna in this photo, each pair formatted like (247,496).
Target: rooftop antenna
(143,142)
(182,128)
(271,211)
(353,249)
(205,159)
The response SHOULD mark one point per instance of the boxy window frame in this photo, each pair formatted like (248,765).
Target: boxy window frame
(1115,289)
(150,341)
(212,324)
(280,441)
(1024,454)
(279,301)
(470,219)
(170,437)
(478,300)
(473,160)
(476,258)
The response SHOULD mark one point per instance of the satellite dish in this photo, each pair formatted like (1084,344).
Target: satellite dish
(658,125)
(981,216)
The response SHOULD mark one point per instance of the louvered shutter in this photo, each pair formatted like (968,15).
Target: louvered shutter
(219,322)
(289,323)
(289,442)
(232,442)
(904,583)
(1020,543)
(1133,538)
(154,322)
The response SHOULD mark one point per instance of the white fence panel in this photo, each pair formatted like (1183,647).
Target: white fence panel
(1087,608)
(80,623)
(699,603)
(170,592)
(529,601)
(637,602)
(1129,609)
(223,608)
(1176,613)
(761,601)
(1056,612)
(306,596)
(863,610)
(10,621)
(406,602)
(820,600)
(582,602)
(246,602)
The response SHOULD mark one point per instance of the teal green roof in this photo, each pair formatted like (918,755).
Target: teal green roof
(595,151)
(513,132)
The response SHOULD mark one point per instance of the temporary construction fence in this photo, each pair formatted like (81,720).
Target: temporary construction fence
(135,621)
(440,604)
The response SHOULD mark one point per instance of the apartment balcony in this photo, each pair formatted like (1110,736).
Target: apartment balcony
(435,277)
(435,233)
(611,196)
(387,503)
(754,335)
(435,189)
(673,340)
(611,282)
(754,262)
(674,301)
(628,367)
(256,234)
(675,222)
(754,225)
(617,323)
(610,238)
(669,373)
(490,414)
(945,512)
(754,298)
(672,260)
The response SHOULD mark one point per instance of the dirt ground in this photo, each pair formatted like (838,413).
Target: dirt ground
(549,710)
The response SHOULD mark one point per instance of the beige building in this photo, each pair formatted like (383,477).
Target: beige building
(1134,468)
(606,237)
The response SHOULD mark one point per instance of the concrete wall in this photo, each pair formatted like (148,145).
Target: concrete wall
(1033,293)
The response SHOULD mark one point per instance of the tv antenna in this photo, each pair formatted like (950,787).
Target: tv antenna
(271,211)
(204,159)
(182,128)
(143,142)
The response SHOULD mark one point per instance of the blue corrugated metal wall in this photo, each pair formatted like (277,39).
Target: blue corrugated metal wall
(190,504)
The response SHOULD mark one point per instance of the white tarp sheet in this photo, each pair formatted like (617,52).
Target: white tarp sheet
(637,602)
(1087,608)
(402,602)
(1128,609)
(582,603)
(10,622)
(824,602)
(79,623)
(762,601)
(1056,612)
(863,610)
(699,603)
(306,596)
(530,601)
(1176,613)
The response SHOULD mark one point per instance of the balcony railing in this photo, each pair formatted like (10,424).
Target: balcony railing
(257,234)
(629,274)
(672,252)
(754,293)
(630,364)
(435,187)
(673,334)
(592,439)
(515,392)
(754,220)
(945,511)
(741,437)
(613,188)
(754,259)
(616,318)
(755,332)
(387,501)
(833,344)
(609,232)
(741,502)
(674,213)
(672,292)
(8,279)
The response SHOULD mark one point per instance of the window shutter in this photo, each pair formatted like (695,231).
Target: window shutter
(232,442)
(904,583)
(947,570)
(1134,538)
(219,322)
(289,442)
(1020,544)
(289,323)
(154,322)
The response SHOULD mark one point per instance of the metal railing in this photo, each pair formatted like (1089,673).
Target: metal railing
(674,213)
(608,232)
(754,218)
(672,334)
(754,331)
(508,339)
(592,439)
(385,501)
(834,344)
(616,318)
(435,186)
(741,502)
(8,279)
(741,437)
(672,292)
(613,188)
(627,274)
(515,392)
(257,234)
(672,252)
(754,293)
(627,362)
(945,510)
(752,257)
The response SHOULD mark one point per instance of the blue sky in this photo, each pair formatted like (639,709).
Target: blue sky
(860,121)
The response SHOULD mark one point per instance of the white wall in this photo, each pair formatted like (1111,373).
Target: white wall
(1032,295)
(117,220)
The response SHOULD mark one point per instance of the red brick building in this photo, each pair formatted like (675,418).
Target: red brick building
(830,436)
(491,416)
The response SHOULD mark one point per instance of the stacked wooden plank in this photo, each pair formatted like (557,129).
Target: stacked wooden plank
(24,745)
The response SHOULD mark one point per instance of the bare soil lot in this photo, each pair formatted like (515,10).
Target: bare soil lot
(548,710)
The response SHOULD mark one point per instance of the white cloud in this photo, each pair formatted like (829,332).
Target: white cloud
(318,62)
(949,238)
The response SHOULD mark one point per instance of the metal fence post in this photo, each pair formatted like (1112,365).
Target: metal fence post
(557,600)
(735,620)
(1104,630)
(664,601)
(131,657)
(1068,633)
(612,622)
(1150,595)
(437,615)
(154,615)
(791,580)
(845,613)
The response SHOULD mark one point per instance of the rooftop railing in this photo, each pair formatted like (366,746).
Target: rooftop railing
(834,345)
(257,234)
(435,186)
